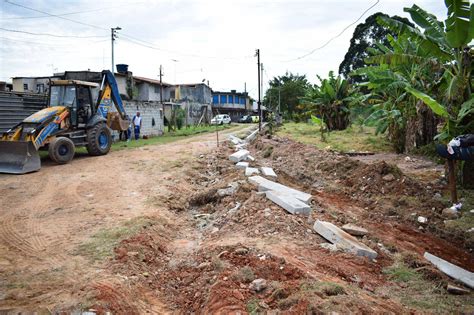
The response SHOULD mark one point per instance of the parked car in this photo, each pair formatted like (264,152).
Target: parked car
(245,119)
(255,119)
(220,120)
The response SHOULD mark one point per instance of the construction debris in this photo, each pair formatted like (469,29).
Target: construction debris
(354,230)
(239,156)
(264,184)
(249,171)
(456,290)
(452,270)
(268,171)
(343,240)
(235,140)
(242,165)
(288,202)
(230,190)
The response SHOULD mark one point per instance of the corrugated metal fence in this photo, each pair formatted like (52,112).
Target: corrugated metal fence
(16,106)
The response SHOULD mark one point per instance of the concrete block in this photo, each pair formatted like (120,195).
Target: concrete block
(452,270)
(264,184)
(235,140)
(343,240)
(250,158)
(288,202)
(249,171)
(239,156)
(268,171)
(242,165)
(354,230)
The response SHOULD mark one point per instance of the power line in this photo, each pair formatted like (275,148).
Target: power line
(333,38)
(47,34)
(65,14)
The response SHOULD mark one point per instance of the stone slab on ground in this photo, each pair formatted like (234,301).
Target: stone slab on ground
(288,202)
(452,270)
(249,171)
(268,171)
(250,158)
(343,240)
(239,156)
(235,140)
(264,184)
(353,229)
(242,165)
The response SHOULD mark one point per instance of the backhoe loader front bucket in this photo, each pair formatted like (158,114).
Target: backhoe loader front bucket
(18,157)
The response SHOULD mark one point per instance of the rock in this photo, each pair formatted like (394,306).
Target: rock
(288,202)
(354,230)
(343,240)
(241,251)
(230,190)
(268,171)
(456,290)
(422,220)
(329,246)
(452,270)
(239,156)
(449,213)
(242,165)
(471,230)
(437,196)
(258,285)
(389,178)
(249,171)
(250,158)
(204,265)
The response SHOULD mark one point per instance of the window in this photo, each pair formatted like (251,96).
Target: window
(242,101)
(215,99)
(237,100)
(25,86)
(223,99)
(157,89)
(231,99)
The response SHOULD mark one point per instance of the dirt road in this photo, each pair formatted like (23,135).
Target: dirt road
(46,216)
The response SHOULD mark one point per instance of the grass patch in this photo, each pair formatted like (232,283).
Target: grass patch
(355,138)
(244,275)
(102,243)
(424,294)
(252,307)
(322,287)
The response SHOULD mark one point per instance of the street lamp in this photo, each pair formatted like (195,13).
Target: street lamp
(113,33)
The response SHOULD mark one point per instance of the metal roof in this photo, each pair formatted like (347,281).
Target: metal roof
(76,82)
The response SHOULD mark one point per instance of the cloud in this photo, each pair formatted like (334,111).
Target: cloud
(212,40)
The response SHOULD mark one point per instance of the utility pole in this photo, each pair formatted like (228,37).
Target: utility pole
(161,97)
(257,53)
(113,33)
(279,96)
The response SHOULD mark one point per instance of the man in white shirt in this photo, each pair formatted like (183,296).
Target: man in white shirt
(137,123)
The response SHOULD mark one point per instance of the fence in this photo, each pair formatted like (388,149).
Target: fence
(16,106)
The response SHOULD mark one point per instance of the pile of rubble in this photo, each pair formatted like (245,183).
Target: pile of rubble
(294,201)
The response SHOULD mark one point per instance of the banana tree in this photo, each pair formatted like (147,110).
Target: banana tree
(330,100)
(448,45)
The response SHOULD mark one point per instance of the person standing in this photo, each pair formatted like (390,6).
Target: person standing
(137,123)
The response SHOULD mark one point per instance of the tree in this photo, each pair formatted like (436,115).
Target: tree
(365,36)
(288,90)
(330,101)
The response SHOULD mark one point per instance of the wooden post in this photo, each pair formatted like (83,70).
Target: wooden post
(452,181)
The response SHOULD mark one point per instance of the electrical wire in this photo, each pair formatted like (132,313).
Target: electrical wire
(338,35)
(47,34)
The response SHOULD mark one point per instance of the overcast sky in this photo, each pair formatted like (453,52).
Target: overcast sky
(193,40)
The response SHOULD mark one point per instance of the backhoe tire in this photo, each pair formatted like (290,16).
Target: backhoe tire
(99,139)
(61,150)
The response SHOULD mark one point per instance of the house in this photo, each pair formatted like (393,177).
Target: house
(150,89)
(233,103)
(32,84)
(5,86)
(194,92)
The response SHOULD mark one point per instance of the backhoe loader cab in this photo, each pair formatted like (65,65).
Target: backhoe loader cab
(76,96)
(76,116)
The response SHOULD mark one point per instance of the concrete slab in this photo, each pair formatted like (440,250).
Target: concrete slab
(264,184)
(235,140)
(268,171)
(249,171)
(452,270)
(239,156)
(242,165)
(288,202)
(354,229)
(250,158)
(343,240)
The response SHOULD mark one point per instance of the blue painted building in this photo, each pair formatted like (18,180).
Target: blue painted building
(233,103)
